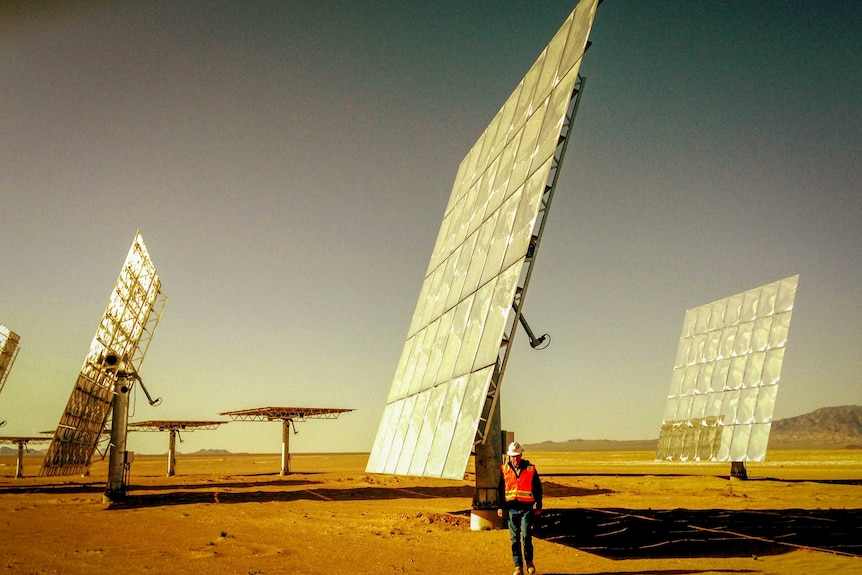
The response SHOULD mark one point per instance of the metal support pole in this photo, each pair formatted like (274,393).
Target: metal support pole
(116,487)
(19,467)
(285,447)
(172,453)
(489,456)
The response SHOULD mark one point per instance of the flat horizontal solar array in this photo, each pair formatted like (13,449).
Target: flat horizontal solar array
(296,414)
(124,334)
(24,439)
(173,425)
(725,377)
(8,352)
(443,377)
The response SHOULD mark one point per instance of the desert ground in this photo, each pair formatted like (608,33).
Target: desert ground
(800,512)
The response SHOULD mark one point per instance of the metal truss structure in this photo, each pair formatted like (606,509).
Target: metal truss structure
(484,432)
(120,345)
(297,414)
(156,425)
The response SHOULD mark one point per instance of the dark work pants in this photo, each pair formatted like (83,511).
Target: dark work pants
(521,527)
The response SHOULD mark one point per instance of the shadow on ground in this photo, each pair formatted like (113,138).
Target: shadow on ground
(676,533)
(238,493)
(670,572)
(60,488)
(186,497)
(719,476)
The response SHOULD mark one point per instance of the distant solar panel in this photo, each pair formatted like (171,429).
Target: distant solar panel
(288,416)
(8,352)
(173,427)
(725,377)
(22,443)
(285,413)
(121,342)
(457,343)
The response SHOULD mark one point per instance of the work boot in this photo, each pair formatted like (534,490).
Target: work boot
(518,571)
(531,569)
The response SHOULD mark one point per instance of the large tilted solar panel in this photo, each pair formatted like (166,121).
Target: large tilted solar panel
(8,352)
(725,377)
(433,409)
(124,332)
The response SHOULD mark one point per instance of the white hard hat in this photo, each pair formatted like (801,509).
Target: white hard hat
(515,449)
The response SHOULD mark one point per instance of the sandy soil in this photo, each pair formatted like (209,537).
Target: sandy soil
(613,512)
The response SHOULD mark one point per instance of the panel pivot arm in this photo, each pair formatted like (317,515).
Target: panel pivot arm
(536,343)
(137,378)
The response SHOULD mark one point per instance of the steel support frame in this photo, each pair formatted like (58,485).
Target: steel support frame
(488,467)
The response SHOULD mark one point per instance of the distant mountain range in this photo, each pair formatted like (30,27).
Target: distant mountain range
(824,428)
(206,452)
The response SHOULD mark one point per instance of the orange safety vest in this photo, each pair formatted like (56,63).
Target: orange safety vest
(519,487)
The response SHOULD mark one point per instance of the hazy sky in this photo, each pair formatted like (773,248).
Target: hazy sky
(288,164)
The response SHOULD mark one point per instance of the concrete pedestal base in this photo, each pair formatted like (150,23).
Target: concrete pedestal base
(485,520)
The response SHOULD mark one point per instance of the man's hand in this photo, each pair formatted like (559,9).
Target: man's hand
(500,513)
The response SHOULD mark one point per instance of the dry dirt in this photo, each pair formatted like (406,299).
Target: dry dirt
(610,512)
